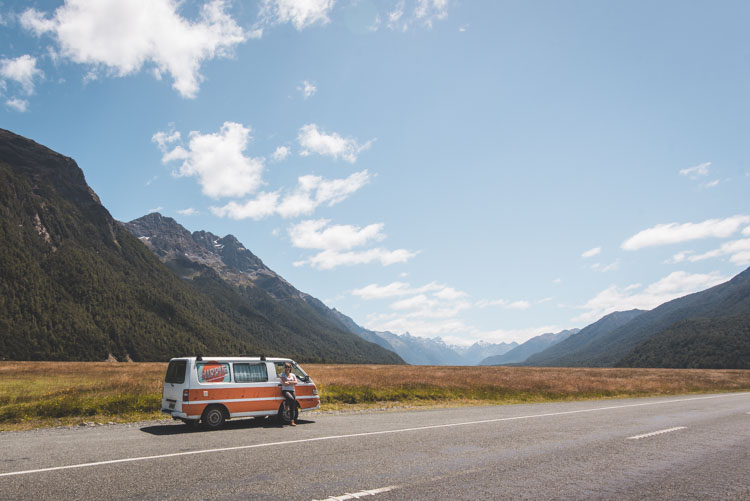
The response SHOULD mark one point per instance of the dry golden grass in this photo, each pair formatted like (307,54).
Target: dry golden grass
(34,394)
(572,382)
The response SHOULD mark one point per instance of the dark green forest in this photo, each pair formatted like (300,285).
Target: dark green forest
(702,343)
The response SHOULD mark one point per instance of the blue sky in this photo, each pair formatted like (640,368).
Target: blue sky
(473,170)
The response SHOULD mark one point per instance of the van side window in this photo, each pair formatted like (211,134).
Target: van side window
(176,372)
(212,372)
(250,373)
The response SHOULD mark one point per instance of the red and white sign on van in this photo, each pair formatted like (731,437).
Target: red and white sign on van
(214,372)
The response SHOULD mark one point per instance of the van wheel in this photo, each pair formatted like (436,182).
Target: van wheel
(283,415)
(213,417)
(286,414)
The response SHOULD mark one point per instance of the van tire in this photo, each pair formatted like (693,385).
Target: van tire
(284,417)
(213,417)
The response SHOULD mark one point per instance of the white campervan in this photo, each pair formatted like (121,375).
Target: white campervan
(212,390)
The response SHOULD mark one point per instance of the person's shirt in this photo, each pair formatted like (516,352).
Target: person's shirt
(287,379)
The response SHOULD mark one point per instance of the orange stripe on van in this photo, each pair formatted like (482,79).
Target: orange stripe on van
(207,393)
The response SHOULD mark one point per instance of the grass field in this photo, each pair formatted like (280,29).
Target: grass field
(37,394)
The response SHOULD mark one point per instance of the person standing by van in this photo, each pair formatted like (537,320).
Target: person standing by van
(288,381)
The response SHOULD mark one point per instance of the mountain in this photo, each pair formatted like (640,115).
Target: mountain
(481,350)
(530,347)
(720,313)
(76,285)
(560,353)
(369,335)
(423,351)
(201,253)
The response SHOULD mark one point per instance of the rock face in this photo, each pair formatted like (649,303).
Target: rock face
(225,255)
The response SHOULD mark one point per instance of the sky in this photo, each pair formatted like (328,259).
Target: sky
(463,169)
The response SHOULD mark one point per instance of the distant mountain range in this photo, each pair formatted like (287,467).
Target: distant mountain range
(532,346)
(77,285)
(424,351)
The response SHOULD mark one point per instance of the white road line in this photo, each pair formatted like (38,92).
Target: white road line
(637,437)
(365,434)
(360,494)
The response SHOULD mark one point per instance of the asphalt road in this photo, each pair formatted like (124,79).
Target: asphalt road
(691,447)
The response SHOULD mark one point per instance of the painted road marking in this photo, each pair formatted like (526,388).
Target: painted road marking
(360,494)
(657,432)
(365,434)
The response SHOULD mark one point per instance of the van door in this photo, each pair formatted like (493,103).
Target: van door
(175,382)
(252,395)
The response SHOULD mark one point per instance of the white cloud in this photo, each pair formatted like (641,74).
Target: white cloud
(697,171)
(188,212)
(395,289)
(336,241)
(679,257)
(330,259)
(509,305)
(18,104)
(674,285)
(416,302)
(449,293)
(21,70)
(163,139)
(712,184)
(263,206)
(506,336)
(424,12)
(316,234)
(217,160)
(314,141)
(280,154)
(737,250)
(121,37)
(308,89)
(746,231)
(422,327)
(313,191)
(310,193)
(301,13)
(591,252)
(606,267)
(663,234)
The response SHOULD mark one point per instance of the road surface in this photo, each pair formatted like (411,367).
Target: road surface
(685,447)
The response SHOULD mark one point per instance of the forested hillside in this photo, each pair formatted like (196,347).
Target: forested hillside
(703,343)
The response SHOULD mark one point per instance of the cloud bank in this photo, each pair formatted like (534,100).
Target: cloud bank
(671,233)
(120,38)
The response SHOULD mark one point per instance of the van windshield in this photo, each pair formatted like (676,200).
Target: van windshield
(176,372)
(296,370)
